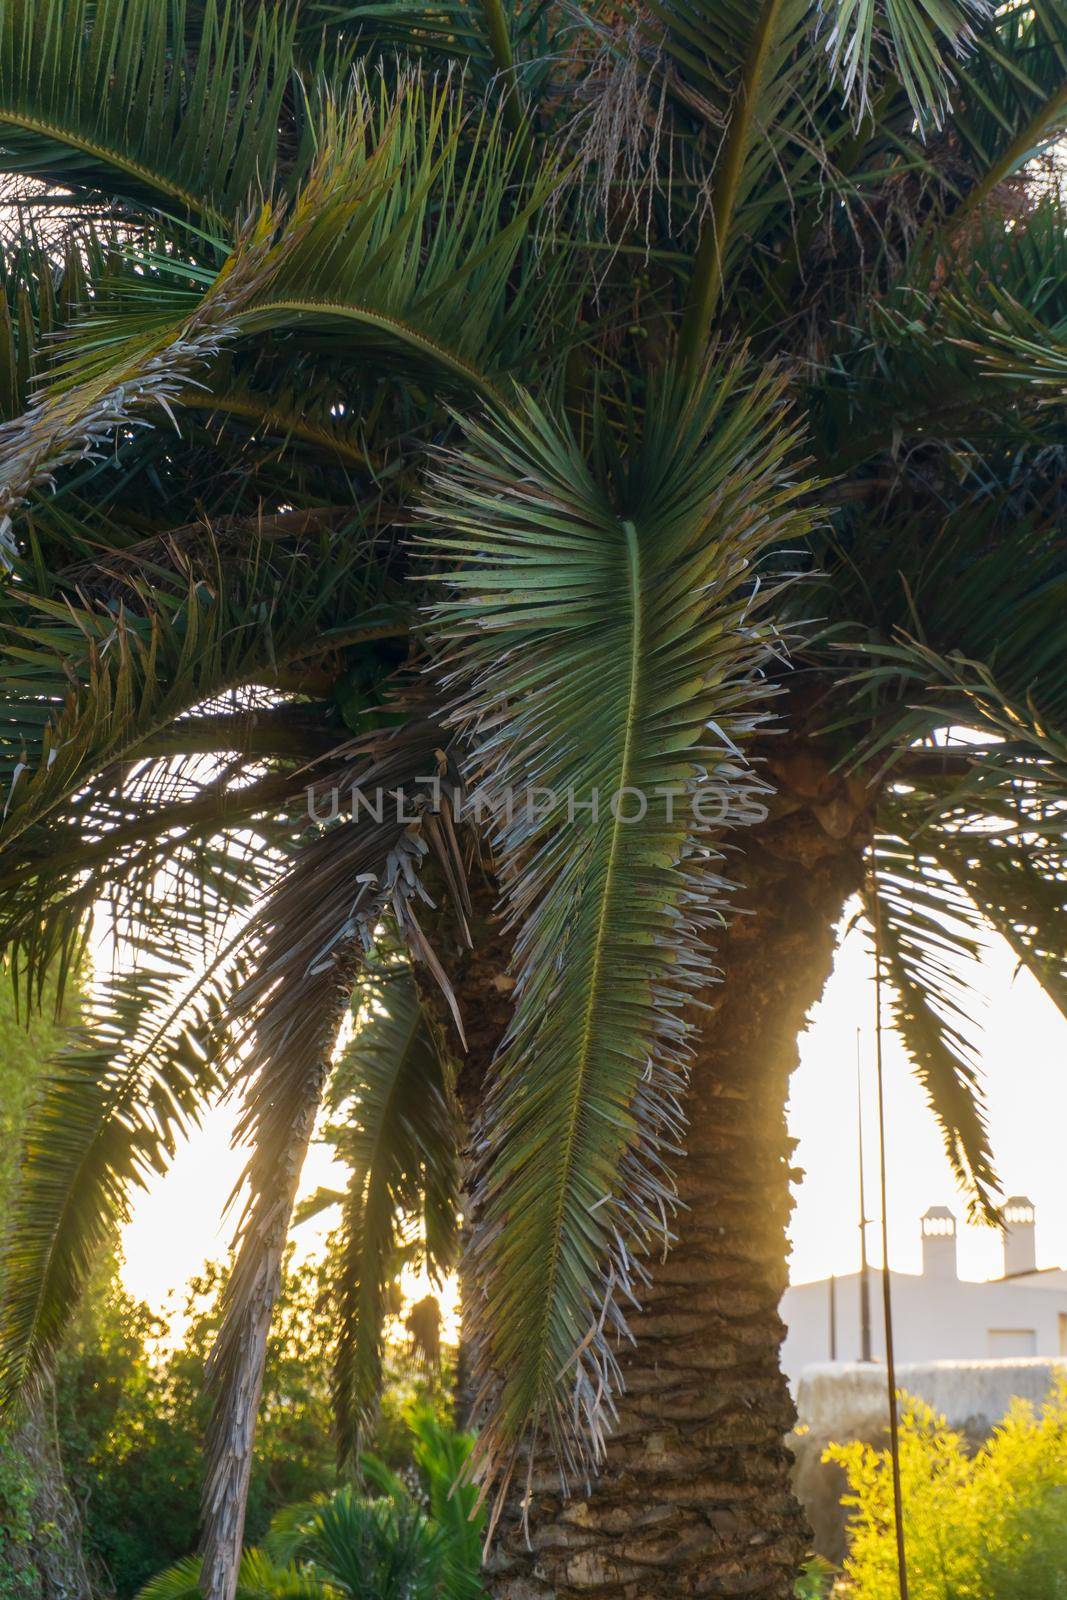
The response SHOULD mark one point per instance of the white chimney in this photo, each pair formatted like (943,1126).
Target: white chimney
(1020,1249)
(939,1243)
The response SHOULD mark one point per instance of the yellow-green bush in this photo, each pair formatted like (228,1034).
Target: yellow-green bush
(987,1525)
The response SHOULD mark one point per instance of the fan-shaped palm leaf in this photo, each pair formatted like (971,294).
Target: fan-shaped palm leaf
(259,1578)
(620,597)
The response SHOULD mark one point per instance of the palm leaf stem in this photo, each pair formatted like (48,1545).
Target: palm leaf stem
(705,286)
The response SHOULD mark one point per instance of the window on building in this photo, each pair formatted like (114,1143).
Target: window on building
(1004,1342)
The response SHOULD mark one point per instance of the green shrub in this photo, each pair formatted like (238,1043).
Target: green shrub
(18,1494)
(367,1549)
(440,1455)
(815,1581)
(991,1525)
(31,1481)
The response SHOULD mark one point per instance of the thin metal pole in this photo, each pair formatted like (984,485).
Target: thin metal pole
(865,1269)
(833,1317)
(887,1293)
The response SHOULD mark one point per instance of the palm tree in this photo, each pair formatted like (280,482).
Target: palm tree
(604,464)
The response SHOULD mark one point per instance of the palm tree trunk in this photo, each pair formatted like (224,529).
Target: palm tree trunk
(233,1424)
(51,1565)
(694,1497)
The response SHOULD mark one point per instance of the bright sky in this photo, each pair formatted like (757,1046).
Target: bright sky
(1024,1052)
(176,1225)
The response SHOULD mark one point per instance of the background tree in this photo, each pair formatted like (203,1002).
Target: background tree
(459,394)
(40,1527)
(132,1414)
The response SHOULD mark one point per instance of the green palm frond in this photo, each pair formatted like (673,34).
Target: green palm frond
(441,1456)
(604,642)
(747,63)
(258,1578)
(358,1545)
(110,375)
(922,37)
(115,653)
(285,417)
(410,237)
(1020,887)
(399,1138)
(1022,776)
(40,297)
(964,349)
(963,629)
(172,107)
(1014,345)
(422,248)
(928,931)
(137,1074)
(1012,99)
(495,45)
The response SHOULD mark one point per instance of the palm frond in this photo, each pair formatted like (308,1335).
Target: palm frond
(95,392)
(136,1076)
(923,38)
(358,1543)
(174,107)
(410,237)
(1016,346)
(119,649)
(928,934)
(1012,99)
(312,936)
(604,643)
(399,1139)
(258,1578)
(1020,887)
(498,47)
(441,1456)
(747,63)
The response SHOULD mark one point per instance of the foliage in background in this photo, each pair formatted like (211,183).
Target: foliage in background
(132,1412)
(132,1418)
(26,1044)
(440,1454)
(815,1581)
(990,1525)
(392,1540)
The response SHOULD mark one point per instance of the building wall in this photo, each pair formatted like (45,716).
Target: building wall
(934,1319)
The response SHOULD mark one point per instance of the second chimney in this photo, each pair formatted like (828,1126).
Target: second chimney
(1020,1248)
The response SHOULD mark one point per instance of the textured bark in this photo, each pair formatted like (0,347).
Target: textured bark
(51,1566)
(694,1498)
(234,1429)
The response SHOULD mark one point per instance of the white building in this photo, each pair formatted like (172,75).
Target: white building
(936,1315)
